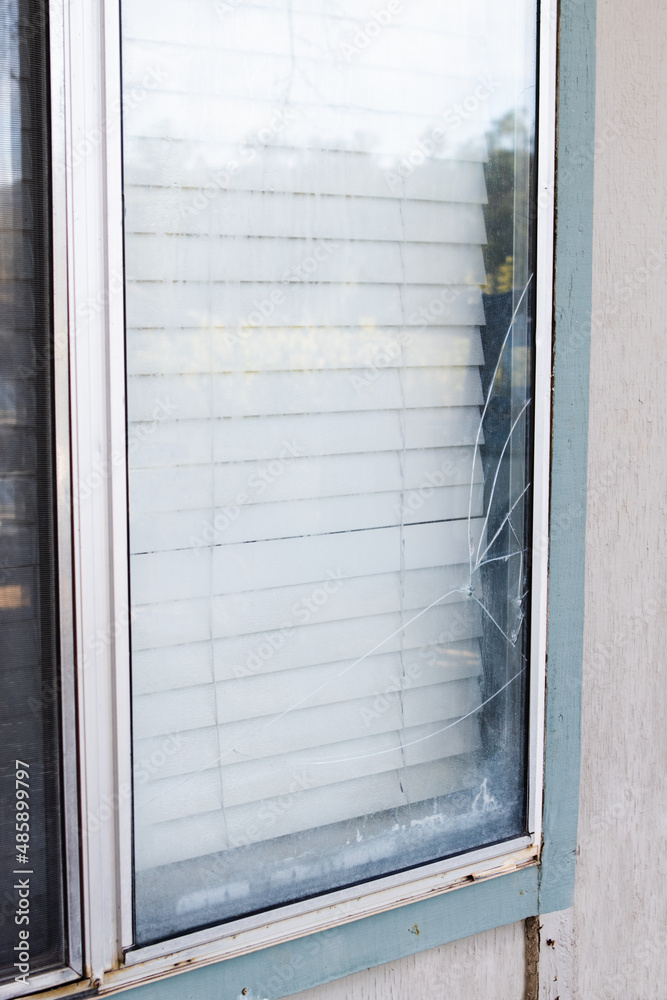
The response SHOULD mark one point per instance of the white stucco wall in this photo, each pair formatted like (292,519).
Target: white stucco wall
(621,896)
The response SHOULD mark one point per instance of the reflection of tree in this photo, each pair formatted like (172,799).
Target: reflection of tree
(506,139)
(504,577)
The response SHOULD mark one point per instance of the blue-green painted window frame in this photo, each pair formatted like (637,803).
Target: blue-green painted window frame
(288,968)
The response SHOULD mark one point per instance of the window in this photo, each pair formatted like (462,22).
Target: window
(309,314)
(329,410)
(39,930)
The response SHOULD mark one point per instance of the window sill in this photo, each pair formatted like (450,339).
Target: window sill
(398,920)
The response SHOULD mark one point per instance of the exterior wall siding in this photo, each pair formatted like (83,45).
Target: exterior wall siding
(620,898)
(488,966)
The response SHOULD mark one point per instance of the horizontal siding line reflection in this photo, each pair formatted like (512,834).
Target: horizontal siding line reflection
(267,610)
(415,113)
(315,238)
(246,699)
(295,196)
(269,282)
(454,638)
(452,182)
(355,23)
(214,327)
(432,703)
(459,157)
(191,665)
(286,538)
(264,373)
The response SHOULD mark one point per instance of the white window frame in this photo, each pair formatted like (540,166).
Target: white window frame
(88,242)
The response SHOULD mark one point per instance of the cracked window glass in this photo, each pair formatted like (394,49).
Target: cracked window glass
(329,286)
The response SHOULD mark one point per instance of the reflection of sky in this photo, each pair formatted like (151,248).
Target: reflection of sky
(511,45)
(9,146)
(343,89)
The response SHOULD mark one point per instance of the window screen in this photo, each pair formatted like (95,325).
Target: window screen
(32,909)
(328,299)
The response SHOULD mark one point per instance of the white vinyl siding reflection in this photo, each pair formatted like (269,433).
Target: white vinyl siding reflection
(302,437)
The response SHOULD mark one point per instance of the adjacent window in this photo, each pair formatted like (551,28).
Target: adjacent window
(33,909)
(329,274)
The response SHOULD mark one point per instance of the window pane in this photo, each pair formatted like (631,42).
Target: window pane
(31,819)
(328,261)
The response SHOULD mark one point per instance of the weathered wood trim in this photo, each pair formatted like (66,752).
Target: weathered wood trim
(572,325)
(310,961)
(556,955)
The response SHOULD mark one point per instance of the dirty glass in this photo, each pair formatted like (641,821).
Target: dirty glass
(329,279)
